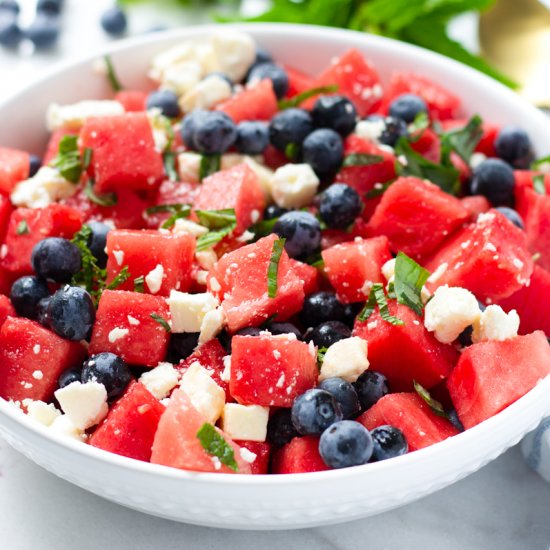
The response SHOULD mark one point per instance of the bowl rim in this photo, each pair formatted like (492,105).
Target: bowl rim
(305,31)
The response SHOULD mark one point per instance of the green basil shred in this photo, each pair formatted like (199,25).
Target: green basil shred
(434,405)
(408,282)
(22,228)
(111,74)
(538,184)
(298,99)
(161,321)
(210,164)
(361,159)
(215,445)
(221,224)
(273,268)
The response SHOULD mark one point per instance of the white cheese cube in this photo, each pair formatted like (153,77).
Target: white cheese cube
(44,413)
(294,185)
(181,77)
(346,359)
(188,310)
(84,404)
(245,422)
(370,130)
(235,52)
(495,324)
(161,380)
(45,187)
(187,226)
(73,117)
(205,395)
(449,312)
(189,167)
(212,325)
(159,126)
(206,258)
(64,427)
(388,270)
(206,94)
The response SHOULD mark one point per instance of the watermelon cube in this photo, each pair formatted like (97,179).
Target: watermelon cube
(176,443)
(174,252)
(271,370)
(236,188)
(353,267)
(124,153)
(299,456)
(6,309)
(239,281)
(476,205)
(489,257)
(262,450)
(257,102)
(408,412)
(32,358)
(308,274)
(14,167)
(493,374)
(427,144)
(125,326)
(416,216)
(298,81)
(7,278)
(6,209)
(129,428)
(132,100)
(405,353)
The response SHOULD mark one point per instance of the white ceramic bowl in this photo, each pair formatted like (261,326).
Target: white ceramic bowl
(286,501)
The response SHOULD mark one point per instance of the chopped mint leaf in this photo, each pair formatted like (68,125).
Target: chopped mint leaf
(435,405)
(408,282)
(169,159)
(215,445)
(292,151)
(263,227)
(361,159)
(121,278)
(538,184)
(536,165)
(168,208)
(87,158)
(273,268)
(23,228)
(91,276)
(217,219)
(139,284)
(377,297)
(368,309)
(108,199)
(419,124)
(321,355)
(111,74)
(298,99)
(68,160)
(463,141)
(161,321)
(210,164)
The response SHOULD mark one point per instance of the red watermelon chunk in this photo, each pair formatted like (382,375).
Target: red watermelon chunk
(416,216)
(308,274)
(257,102)
(171,192)
(6,309)
(129,428)
(7,278)
(353,267)
(176,443)
(132,100)
(408,412)
(124,154)
(236,188)
(405,353)
(32,358)
(14,167)
(489,257)
(476,205)
(173,251)
(298,81)
(486,144)
(239,281)
(299,456)
(124,326)
(428,144)
(262,450)
(271,370)
(6,209)
(492,375)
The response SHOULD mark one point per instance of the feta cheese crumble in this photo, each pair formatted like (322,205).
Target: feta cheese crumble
(346,359)
(294,185)
(189,310)
(84,404)
(161,380)
(495,324)
(73,117)
(153,279)
(245,422)
(45,187)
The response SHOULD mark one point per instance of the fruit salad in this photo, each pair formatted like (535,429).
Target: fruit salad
(249,269)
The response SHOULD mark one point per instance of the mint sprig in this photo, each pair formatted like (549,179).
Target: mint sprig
(409,279)
(215,445)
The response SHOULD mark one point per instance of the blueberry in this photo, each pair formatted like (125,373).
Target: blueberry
(10,33)
(388,442)
(370,387)
(10,6)
(98,241)
(221,75)
(454,420)
(44,31)
(107,369)
(25,295)
(344,444)
(323,150)
(339,206)
(335,112)
(51,7)
(345,395)
(514,146)
(214,133)
(465,337)
(276,74)
(494,179)
(113,21)
(68,377)
(262,56)
(43,311)
(273,211)
(284,328)
(182,345)
(326,334)
(290,126)
(166,101)
(190,124)
(252,137)
(512,215)
(280,429)
(314,411)
(407,107)
(392,130)
(56,259)
(321,307)
(351,312)
(302,232)
(248,331)
(71,313)
(35,163)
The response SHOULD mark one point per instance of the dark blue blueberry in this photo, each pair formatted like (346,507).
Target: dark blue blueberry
(43,311)
(351,312)
(221,75)
(454,420)
(72,313)
(514,146)
(290,126)
(248,331)
(494,179)
(225,338)
(190,124)
(182,345)
(10,6)
(284,328)
(44,31)
(344,444)
(56,259)
(25,295)
(10,33)
(512,215)
(370,387)
(275,73)
(214,132)
(68,377)
(465,337)
(302,232)
(321,307)
(35,163)
(98,241)
(314,411)
(273,211)
(392,129)
(388,442)
(407,107)
(345,395)
(252,137)
(280,429)
(113,21)
(107,369)
(51,7)
(326,334)
(340,204)
(166,101)
(323,150)
(335,112)
(262,56)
